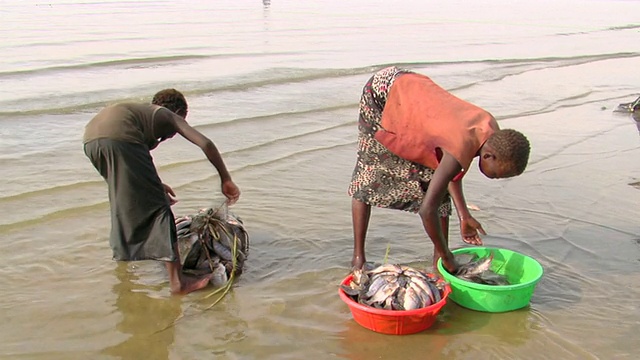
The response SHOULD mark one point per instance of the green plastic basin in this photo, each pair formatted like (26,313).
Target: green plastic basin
(522,271)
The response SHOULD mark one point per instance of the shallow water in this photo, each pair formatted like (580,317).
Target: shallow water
(276,84)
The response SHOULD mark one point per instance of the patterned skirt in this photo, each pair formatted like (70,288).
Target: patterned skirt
(381,178)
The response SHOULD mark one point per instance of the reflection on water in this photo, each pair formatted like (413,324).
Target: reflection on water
(360,343)
(146,319)
(459,332)
(509,329)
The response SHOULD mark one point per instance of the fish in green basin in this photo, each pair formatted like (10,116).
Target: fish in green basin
(478,270)
(393,287)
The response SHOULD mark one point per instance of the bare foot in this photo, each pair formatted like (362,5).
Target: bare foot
(358,261)
(181,283)
(189,284)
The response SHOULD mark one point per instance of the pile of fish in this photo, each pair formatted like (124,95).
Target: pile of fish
(394,287)
(477,269)
(212,241)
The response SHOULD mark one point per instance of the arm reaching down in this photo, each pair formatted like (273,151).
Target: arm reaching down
(229,188)
(436,192)
(469,226)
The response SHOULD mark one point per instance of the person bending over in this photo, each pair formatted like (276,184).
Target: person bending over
(118,141)
(416,142)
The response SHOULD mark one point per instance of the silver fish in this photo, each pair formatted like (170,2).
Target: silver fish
(219,276)
(396,301)
(474,267)
(183,232)
(387,290)
(377,282)
(393,287)
(224,239)
(411,300)
(424,287)
(221,250)
(391,268)
(478,271)
(358,285)
(413,273)
(426,298)
(360,277)
(182,223)
(490,278)
(435,291)
(388,303)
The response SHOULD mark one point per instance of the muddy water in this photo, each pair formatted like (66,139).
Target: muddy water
(276,86)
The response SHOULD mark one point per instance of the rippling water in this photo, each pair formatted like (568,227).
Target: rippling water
(276,85)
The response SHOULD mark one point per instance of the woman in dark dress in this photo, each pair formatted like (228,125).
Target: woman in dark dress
(118,141)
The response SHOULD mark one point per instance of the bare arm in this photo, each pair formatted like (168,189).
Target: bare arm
(455,190)
(436,192)
(206,145)
(469,226)
(229,189)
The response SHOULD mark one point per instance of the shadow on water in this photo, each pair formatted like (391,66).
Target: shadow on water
(358,343)
(143,315)
(508,329)
(557,290)
(561,285)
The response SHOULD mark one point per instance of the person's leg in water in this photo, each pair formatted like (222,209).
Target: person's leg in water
(181,283)
(444,223)
(360,214)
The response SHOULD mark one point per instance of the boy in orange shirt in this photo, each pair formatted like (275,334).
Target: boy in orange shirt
(416,141)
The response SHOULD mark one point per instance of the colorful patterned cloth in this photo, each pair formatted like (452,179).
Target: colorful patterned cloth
(381,178)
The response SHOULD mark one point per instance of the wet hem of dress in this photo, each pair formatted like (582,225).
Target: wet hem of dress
(167,259)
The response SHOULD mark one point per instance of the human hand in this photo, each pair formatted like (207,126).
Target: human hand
(231,191)
(171,195)
(469,228)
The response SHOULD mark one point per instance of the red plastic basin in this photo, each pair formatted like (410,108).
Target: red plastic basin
(394,322)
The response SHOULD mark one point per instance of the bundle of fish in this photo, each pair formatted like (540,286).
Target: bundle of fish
(394,287)
(477,269)
(212,241)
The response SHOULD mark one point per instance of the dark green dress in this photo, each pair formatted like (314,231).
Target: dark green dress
(118,141)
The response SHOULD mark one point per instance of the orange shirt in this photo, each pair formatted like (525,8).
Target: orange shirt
(420,117)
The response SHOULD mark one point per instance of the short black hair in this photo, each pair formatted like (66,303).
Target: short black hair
(173,100)
(511,146)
